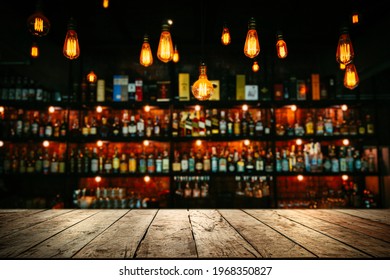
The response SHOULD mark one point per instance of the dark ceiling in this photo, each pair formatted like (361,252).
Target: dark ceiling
(310,28)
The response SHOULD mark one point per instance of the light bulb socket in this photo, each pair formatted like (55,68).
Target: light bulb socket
(72,24)
(252,23)
(344,29)
(165,26)
(279,35)
(146,38)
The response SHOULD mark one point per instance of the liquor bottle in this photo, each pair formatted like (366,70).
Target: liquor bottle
(251,125)
(222,123)
(320,126)
(115,161)
(231,165)
(269,163)
(202,124)
(26,126)
(93,129)
(328,124)
(63,127)
(149,127)
(259,128)
(357,161)
(249,164)
(30,165)
(187,190)
(125,124)
(46,162)
(195,124)
(151,164)
(214,160)
(278,161)
(86,161)
(229,124)
(140,126)
(214,122)
(196,190)
(206,162)
(244,124)
(237,125)
(142,162)
(75,128)
(31,90)
(176,164)
(157,127)
(350,160)
(18,88)
(85,128)
(208,123)
(72,161)
(240,163)
(166,126)
(285,162)
(132,126)
(25,85)
(92,89)
(107,165)
(49,127)
(158,162)
(19,124)
(175,125)
(104,130)
(165,162)
(199,161)
(56,128)
(94,161)
(259,161)
(309,125)
(184,163)
(84,91)
(116,127)
(222,161)
(191,161)
(54,168)
(132,163)
(352,124)
(35,125)
(188,125)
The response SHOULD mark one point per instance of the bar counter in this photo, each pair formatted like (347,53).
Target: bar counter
(194,233)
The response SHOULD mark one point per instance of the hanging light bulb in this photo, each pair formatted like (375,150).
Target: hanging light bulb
(225,38)
(165,45)
(342,66)
(255,66)
(71,48)
(351,78)
(106,3)
(281,46)
(146,56)
(91,77)
(176,56)
(344,52)
(37,23)
(355,17)
(252,45)
(34,52)
(202,89)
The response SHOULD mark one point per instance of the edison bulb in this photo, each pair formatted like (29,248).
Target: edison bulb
(344,51)
(34,50)
(226,38)
(252,45)
(71,48)
(165,45)
(202,89)
(281,46)
(351,78)
(37,23)
(146,56)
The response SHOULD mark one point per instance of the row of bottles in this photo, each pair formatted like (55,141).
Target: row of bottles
(214,122)
(124,125)
(322,122)
(34,124)
(22,88)
(192,186)
(253,186)
(223,159)
(311,157)
(21,160)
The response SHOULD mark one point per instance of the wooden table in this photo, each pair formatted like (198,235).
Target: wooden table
(194,233)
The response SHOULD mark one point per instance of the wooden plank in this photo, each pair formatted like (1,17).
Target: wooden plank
(268,242)
(215,238)
(367,244)
(169,236)
(121,239)
(12,225)
(11,246)
(378,216)
(317,243)
(68,242)
(368,227)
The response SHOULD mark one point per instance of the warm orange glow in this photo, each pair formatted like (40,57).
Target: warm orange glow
(344,51)
(71,48)
(300,177)
(345,142)
(98,179)
(299,142)
(344,107)
(146,143)
(252,45)
(147,108)
(1,143)
(255,66)
(51,109)
(351,78)
(247,142)
(106,3)
(293,108)
(38,24)
(344,177)
(202,89)
(355,18)
(91,77)
(244,107)
(197,108)
(176,56)
(99,143)
(45,143)
(146,56)
(99,109)
(165,45)
(281,46)
(225,38)
(34,50)
(198,142)
(342,66)
(147,179)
